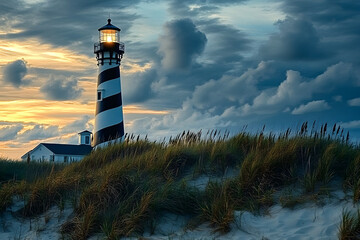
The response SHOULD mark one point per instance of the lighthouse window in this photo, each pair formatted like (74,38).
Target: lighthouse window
(99,95)
(109,35)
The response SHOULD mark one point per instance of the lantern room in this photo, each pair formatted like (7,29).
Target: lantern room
(109,48)
(109,33)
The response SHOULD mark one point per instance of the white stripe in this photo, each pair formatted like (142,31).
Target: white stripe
(110,87)
(104,144)
(106,66)
(108,118)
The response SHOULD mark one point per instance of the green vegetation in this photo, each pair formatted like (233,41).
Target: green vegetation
(122,190)
(18,170)
(350,225)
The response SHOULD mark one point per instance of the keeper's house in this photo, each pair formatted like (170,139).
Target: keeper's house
(61,153)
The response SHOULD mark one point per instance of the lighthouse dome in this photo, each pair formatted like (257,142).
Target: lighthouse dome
(109,26)
(109,33)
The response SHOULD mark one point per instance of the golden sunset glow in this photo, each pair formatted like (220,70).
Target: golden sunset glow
(135,109)
(131,66)
(58,113)
(44,111)
(26,106)
(43,55)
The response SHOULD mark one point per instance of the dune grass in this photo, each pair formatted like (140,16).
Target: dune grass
(16,176)
(349,228)
(20,170)
(124,189)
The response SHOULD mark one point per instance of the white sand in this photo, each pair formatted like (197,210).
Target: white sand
(312,222)
(307,221)
(44,227)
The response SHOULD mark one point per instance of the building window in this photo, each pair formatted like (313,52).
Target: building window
(52,158)
(87,139)
(66,158)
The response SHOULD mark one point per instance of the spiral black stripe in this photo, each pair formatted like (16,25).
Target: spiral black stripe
(109,133)
(108,103)
(108,74)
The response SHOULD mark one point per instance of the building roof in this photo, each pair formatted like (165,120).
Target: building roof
(68,149)
(85,131)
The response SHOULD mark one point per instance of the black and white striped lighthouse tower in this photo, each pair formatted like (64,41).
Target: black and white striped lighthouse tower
(109,125)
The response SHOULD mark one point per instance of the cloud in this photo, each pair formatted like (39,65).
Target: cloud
(61,89)
(296,89)
(226,44)
(222,56)
(350,124)
(231,90)
(338,98)
(354,102)
(137,87)
(233,100)
(180,44)
(38,132)
(68,23)
(313,106)
(196,7)
(335,13)
(297,40)
(9,132)
(224,51)
(336,23)
(15,72)
(184,118)
(78,125)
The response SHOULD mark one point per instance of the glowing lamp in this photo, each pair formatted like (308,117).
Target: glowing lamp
(109,33)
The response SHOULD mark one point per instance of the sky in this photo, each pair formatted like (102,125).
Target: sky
(188,65)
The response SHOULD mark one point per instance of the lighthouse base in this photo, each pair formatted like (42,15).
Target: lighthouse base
(108,143)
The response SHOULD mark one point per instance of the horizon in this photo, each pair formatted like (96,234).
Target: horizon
(187,66)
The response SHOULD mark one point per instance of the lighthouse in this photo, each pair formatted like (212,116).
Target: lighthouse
(109,122)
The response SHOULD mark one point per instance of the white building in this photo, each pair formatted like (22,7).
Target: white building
(60,153)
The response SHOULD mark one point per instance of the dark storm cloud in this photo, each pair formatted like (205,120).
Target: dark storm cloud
(336,23)
(231,90)
(61,89)
(180,44)
(193,8)
(228,43)
(325,11)
(182,8)
(244,100)
(296,40)
(137,87)
(223,53)
(9,132)
(64,23)
(15,72)
(296,88)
